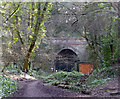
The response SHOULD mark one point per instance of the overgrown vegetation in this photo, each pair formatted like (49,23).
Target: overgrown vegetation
(15,70)
(69,80)
(100,77)
(24,47)
(74,81)
(7,86)
(77,81)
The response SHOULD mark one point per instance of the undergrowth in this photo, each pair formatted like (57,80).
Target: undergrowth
(17,71)
(7,86)
(67,80)
(37,74)
(77,81)
(100,77)
(71,80)
(64,76)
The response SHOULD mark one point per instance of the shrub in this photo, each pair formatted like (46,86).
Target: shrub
(7,86)
(63,76)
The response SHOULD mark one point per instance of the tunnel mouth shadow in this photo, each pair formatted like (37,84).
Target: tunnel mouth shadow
(66,60)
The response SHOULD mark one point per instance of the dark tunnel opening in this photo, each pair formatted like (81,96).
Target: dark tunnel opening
(66,60)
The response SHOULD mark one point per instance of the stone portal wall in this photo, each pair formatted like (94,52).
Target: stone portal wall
(76,45)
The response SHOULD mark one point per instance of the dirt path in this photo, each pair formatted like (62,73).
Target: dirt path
(38,89)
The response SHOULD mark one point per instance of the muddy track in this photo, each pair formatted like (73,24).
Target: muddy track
(36,88)
(39,89)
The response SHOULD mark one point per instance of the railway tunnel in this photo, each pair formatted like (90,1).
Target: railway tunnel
(66,60)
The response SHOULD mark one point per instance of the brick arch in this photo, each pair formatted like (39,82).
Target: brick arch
(69,48)
(66,59)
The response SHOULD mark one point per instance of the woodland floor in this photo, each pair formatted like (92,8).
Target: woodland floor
(36,88)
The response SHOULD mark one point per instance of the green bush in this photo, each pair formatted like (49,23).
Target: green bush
(13,69)
(67,80)
(37,74)
(98,77)
(7,86)
(63,76)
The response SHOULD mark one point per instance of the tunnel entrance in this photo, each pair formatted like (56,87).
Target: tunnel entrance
(66,60)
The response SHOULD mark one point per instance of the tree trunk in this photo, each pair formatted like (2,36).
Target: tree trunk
(6,65)
(28,56)
(32,19)
(112,51)
(40,17)
(119,45)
